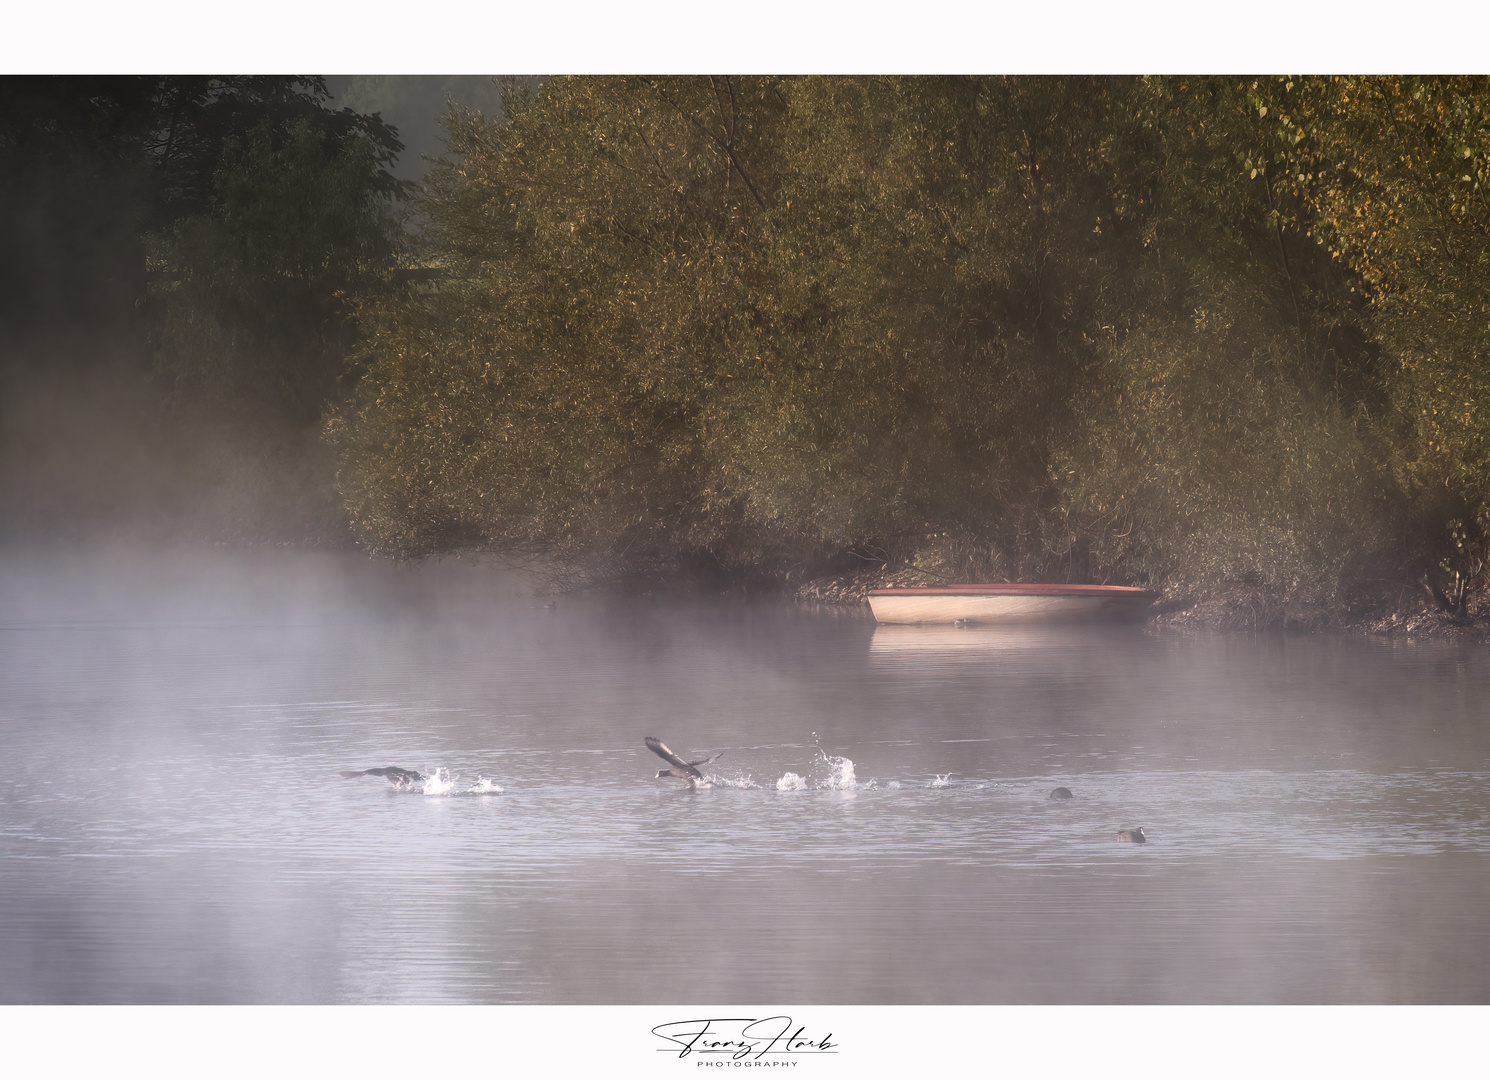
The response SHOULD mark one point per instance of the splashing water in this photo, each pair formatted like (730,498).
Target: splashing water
(486,786)
(842,776)
(732,781)
(942,780)
(441,783)
(791,782)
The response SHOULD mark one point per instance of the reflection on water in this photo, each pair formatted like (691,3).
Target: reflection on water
(176,826)
(949,643)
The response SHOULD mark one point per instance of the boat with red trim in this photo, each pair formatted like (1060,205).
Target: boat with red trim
(1008,603)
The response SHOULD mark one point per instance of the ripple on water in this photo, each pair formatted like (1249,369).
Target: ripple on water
(174,821)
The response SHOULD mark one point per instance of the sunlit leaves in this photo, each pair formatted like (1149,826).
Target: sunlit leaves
(734,316)
(1165,330)
(1407,215)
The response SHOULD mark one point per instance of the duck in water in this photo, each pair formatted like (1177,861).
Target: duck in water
(393,774)
(1132,836)
(683,770)
(1060,793)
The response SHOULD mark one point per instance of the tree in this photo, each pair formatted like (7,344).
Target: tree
(1230,443)
(257,307)
(195,235)
(92,167)
(1394,168)
(737,322)
(1059,328)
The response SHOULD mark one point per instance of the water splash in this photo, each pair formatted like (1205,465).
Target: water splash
(440,783)
(942,780)
(486,786)
(733,781)
(841,777)
(791,782)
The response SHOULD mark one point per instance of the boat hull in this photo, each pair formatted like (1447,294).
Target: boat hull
(1008,603)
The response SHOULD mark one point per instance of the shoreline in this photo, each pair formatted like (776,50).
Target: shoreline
(1412,618)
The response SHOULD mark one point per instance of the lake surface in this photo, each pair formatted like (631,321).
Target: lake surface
(175,826)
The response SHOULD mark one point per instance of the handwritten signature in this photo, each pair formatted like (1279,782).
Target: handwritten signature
(743,1037)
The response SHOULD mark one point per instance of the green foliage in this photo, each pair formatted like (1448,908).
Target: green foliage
(1207,468)
(92,167)
(1228,444)
(205,229)
(1058,328)
(1391,170)
(1395,169)
(735,319)
(256,307)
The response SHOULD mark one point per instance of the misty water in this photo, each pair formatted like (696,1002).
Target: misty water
(175,826)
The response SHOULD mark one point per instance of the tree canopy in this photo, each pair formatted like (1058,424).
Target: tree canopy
(1219,335)
(92,167)
(1185,332)
(194,243)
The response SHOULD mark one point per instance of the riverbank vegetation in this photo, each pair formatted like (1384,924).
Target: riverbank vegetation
(181,258)
(1222,337)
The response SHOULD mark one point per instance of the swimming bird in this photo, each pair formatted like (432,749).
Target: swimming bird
(393,774)
(1132,836)
(1060,793)
(683,770)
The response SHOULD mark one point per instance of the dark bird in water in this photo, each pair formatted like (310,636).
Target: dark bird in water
(393,774)
(1060,793)
(683,770)
(1132,836)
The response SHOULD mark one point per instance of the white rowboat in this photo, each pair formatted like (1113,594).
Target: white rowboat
(1008,603)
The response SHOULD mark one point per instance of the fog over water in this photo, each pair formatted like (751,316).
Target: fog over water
(176,826)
